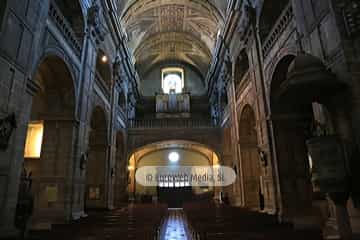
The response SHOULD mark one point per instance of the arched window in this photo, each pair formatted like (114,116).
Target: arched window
(172,80)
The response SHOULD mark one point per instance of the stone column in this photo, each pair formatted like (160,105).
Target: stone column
(342,214)
(21,29)
(86,80)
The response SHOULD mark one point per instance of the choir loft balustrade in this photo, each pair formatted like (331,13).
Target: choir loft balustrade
(171,123)
(56,15)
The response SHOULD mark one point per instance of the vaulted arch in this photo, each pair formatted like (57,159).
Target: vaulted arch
(96,183)
(51,124)
(176,30)
(250,160)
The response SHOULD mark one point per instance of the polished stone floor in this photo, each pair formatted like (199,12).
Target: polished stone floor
(175,227)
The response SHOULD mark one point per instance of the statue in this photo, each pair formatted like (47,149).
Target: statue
(83,160)
(25,204)
(7,126)
(94,21)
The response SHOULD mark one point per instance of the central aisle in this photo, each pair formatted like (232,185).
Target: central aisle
(175,227)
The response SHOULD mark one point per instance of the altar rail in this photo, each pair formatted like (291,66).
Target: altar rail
(64,27)
(171,123)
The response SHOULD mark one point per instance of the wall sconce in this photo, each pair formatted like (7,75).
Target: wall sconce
(104,59)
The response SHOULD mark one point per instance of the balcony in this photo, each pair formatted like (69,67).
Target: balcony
(283,21)
(65,28)
(171,124)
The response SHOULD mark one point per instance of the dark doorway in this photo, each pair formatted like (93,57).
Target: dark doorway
(175,197)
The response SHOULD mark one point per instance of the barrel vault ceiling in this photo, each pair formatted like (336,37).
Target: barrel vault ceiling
(171,31)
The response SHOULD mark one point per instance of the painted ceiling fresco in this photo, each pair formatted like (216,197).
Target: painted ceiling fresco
(172,30)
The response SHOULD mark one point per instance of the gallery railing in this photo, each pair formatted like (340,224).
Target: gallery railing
(64,26)
(280,25)
(171,123)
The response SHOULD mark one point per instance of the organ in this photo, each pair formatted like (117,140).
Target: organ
(173,105)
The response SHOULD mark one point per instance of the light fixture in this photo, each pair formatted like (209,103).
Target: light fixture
(104,58)
(173,157)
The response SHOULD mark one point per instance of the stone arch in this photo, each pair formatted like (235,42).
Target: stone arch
(208,137)
(271,67)
(290,121)
(250,160)
(59,53)
(186,144)
(191,154)
(52,123)
(97,165)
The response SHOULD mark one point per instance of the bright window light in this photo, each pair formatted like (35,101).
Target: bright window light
(34,139)
(172,80)
(174,157)
(172,84)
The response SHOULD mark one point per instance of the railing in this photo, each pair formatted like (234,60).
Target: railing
(280,25)
(59,19)
(171,123)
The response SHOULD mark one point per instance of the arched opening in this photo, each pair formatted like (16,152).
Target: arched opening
(52,124)
(121,196)
(97,158)
(248,139)
(291,121)
(241,67)
(171,155)
(73,13)
(271,11)
(103,69)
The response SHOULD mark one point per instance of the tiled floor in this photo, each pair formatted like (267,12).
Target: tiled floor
(175,227)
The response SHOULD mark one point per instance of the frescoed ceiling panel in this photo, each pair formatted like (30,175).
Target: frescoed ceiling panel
(183,30)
